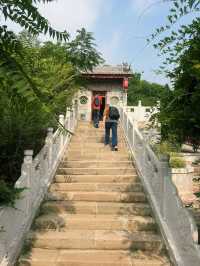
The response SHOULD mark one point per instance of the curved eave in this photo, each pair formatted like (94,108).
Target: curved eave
(106,76)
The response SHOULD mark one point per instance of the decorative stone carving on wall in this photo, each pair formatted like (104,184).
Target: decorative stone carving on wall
(83,100)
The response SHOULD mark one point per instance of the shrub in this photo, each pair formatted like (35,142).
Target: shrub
(9,194)
(177,162)
(166,147)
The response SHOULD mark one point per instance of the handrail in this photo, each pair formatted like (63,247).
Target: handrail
(176,224)
(36,176)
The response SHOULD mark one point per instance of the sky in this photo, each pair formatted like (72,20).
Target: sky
(120,28)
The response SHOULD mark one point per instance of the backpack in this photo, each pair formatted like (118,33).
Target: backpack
(96,101)
(114,113)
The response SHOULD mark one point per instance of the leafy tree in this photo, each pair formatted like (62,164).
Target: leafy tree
(176,42)
(179,114)
(36,83)
(148,93)
(24,13)
(82,53)
(25,112)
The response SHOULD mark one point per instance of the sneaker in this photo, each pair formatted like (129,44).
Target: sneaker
(114,148)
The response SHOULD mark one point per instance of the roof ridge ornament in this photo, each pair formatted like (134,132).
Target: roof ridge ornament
(126,67)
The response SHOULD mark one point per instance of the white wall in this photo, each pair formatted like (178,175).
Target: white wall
(141,113)
(115,95)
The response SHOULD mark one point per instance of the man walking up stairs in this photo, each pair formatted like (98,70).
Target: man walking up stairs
(96,212)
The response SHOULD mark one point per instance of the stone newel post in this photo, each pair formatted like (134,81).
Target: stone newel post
(62,122)
(49,141)
(27,173)
(165,172)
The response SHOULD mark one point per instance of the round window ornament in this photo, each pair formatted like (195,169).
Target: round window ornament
(114,100)
(83,99)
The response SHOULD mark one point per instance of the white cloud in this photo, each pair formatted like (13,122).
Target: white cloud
(72,15)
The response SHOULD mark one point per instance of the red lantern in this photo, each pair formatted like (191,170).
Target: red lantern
(125,83)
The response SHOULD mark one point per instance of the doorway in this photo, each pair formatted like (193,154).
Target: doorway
(102,95)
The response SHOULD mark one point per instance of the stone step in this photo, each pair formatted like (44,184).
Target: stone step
(88,145)
(96,240)
(91,156)
(98,187)
(94,222)
(96,171)
(88,134)
(93,139)
(81,207)
(45,257)
(95,164)
(93,129)
(97,196)
(102,148)
(107,151)
(84,131)
(96,179)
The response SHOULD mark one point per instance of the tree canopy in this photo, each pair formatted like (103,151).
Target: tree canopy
(179,113)
(149,93)
(37,81)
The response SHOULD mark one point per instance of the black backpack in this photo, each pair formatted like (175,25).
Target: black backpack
(96,101)
(114,113)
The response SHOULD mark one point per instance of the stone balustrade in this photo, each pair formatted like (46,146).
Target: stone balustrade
(36,176)
(176,224)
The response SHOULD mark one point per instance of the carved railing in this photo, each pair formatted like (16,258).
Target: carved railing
(177,226)
(36,175)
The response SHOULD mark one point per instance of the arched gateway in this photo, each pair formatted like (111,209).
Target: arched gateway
(106,81)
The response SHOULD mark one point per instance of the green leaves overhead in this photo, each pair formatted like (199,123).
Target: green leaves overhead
(26,14)
(176,41)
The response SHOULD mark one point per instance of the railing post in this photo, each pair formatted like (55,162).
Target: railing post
(26,171)
(62,122)
(49,140)
(134,126)
(164,175)
(67,119)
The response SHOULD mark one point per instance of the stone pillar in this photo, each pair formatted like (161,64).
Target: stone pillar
(62,124)
(165,173)
(49,140)
(26,172)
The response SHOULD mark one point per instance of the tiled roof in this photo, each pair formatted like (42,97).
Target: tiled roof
(110,70)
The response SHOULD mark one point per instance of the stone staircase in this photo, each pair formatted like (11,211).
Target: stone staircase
(96,212)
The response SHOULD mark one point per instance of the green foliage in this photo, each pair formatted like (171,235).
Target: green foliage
(36,82)
(26,14)
(180,114)
(8,194)
(173,150)
(175,43)
(82,53)
(166,147)
(177,162)
(31,103)
(148,93)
